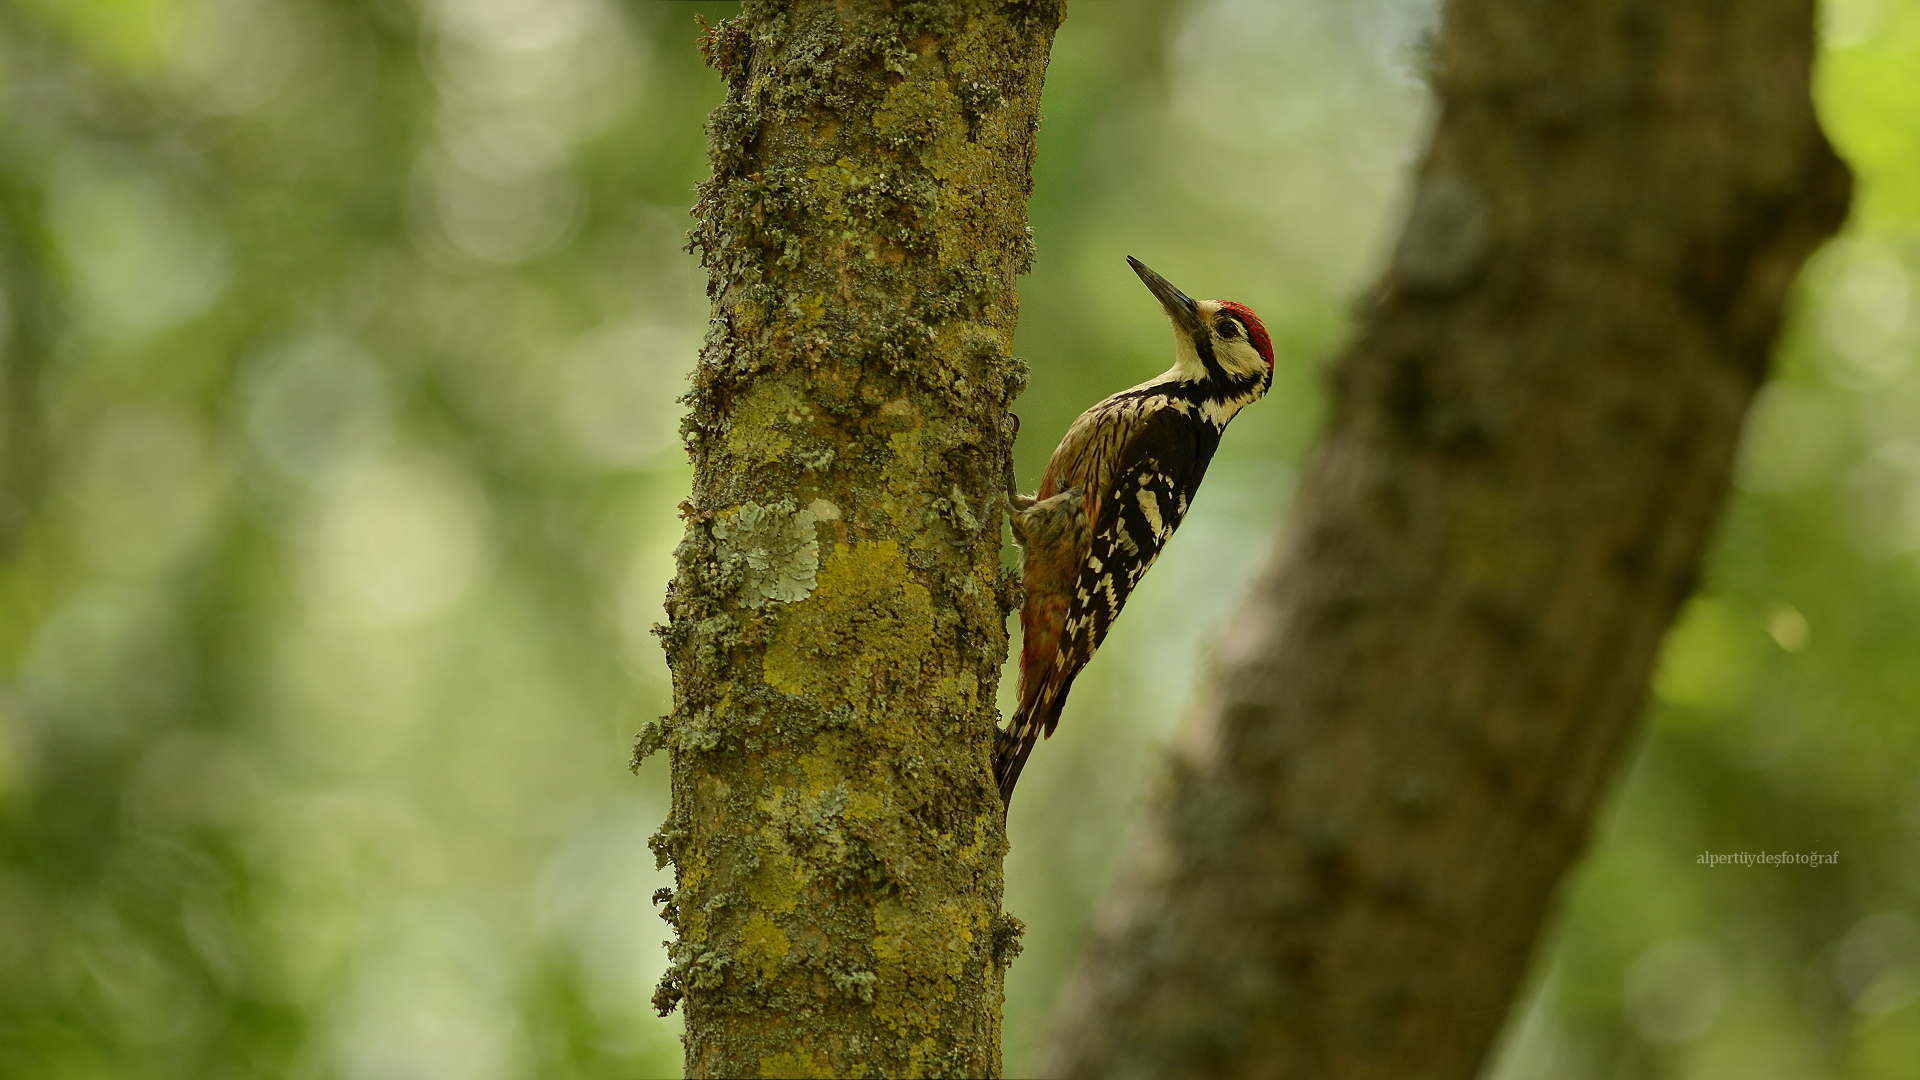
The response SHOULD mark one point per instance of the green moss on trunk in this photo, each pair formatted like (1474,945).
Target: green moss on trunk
(836,626)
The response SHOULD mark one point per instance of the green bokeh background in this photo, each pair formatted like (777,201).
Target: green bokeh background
(339,343)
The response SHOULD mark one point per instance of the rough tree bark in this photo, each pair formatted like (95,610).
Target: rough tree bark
(836,622)
(1413,719)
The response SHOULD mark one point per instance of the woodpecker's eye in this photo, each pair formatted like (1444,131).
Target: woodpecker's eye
(1229,328)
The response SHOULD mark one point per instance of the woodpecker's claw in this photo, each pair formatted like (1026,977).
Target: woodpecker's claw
(1016,502)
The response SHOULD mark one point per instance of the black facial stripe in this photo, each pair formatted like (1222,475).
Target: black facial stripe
(1203,344)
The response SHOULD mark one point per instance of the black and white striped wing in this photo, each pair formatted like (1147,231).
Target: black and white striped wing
(1138,512)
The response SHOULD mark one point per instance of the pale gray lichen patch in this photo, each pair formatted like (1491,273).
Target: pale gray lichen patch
(963,515)
(771,550)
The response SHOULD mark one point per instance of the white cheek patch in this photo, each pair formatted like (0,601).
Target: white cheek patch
(1244,360)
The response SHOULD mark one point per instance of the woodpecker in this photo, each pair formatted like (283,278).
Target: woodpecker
(1114,491)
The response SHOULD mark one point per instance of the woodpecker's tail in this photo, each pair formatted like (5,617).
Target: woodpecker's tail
(1010,750)
(1030,722)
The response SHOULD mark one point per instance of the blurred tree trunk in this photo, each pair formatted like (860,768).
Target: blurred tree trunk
(1413,719)
(836,623)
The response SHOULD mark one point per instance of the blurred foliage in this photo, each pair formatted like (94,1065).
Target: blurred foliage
(337,482)
(342,344)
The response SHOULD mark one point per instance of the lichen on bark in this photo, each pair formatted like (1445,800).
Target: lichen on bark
(836,623)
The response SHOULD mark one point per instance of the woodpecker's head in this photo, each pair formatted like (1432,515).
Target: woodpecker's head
(1217,343)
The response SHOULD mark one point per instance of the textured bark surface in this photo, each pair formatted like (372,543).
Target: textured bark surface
(836,623)
(1414,718)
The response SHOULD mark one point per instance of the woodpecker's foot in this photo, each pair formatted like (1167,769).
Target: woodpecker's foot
(1018,505)
(1016,502)
(1019,513)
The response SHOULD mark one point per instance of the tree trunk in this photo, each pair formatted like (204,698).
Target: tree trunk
(1413,719)
(836,626)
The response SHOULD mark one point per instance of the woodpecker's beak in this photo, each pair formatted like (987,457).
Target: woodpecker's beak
(1180,306)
